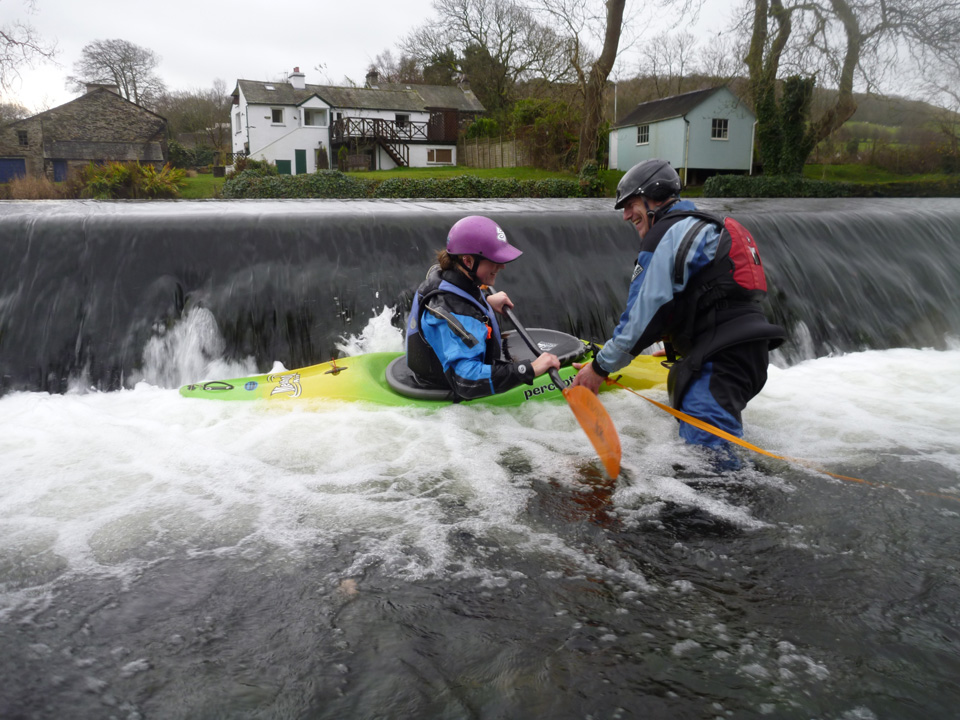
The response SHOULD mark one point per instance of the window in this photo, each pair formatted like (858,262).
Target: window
(440,155)
(277,116)
(402,120)
(643,134)
(23,138)
(315,117)
(718,131)
(237,118)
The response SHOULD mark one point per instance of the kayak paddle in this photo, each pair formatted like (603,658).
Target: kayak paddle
(587,408)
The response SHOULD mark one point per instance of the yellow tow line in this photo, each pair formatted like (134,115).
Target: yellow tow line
(707,427)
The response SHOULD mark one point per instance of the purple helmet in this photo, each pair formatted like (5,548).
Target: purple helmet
(478,235)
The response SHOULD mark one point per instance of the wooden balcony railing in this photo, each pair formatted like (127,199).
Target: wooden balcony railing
(377,129)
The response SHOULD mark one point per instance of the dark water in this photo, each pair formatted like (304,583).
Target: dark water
(167,559)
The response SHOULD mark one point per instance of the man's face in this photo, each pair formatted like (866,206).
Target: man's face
(634,211)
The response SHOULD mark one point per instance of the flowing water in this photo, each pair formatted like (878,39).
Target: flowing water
(168,558)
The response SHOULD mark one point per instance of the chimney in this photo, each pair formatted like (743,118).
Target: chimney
(373,79)
(464,83)
(297,79)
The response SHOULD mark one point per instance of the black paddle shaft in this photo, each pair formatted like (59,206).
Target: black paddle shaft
(554,373)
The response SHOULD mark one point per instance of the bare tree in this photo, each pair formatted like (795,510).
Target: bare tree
(585,25)
(10,111)
(844,44)
(497,43)
(131,68)
(670,59)
(942,87)
(404,69)
(206,112)
(721,58)
(21,46)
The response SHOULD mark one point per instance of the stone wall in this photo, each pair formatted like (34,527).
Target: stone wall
(97,127)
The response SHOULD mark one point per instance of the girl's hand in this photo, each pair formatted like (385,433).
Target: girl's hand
(498,301)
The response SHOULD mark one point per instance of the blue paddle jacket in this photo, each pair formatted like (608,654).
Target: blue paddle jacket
(652,290)
(659,304)
(453,339)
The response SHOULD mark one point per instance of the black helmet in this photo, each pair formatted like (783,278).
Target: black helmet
(653,178)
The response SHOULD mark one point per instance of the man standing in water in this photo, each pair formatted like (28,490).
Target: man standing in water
(683,292)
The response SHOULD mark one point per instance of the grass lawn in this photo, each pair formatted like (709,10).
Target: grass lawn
(864,174)
(201,187)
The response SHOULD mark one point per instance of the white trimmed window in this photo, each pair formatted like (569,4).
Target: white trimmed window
(441,156)
(719,129)
(276,116)
(643,135)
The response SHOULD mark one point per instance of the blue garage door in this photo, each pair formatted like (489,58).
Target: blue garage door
(11,168)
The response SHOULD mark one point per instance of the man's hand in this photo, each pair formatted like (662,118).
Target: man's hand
(587,377)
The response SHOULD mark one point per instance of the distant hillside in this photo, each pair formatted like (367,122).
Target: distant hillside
(893,111)
(890,111)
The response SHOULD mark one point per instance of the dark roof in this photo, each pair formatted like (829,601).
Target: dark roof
(410,98)
(666,108)
(440,96)
(83,98)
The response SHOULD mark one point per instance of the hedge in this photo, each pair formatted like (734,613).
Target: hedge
(335,184)
(774,186)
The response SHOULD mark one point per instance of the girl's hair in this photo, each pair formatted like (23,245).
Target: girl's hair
(446,260)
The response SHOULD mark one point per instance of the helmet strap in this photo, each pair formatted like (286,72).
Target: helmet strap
(471,273)
(662,210)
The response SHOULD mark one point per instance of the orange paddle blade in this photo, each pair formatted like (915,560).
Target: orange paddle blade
(596,423)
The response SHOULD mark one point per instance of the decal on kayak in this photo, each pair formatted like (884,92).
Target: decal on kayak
(336,369)
(533,392)
(286,384)
(252,385)
(217,386)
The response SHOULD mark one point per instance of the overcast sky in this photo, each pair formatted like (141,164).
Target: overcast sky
(200,40)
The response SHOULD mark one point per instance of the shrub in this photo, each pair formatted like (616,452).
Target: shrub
(41,188)
(322,184)
(483,127)
(591,184)
(116,180)
(183,157)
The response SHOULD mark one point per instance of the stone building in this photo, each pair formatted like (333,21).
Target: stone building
(97,127)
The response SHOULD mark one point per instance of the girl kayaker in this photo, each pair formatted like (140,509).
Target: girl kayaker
(453,334)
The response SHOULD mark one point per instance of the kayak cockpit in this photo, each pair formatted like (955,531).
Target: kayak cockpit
(567,348)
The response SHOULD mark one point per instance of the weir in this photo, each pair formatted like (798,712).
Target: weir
(84,285)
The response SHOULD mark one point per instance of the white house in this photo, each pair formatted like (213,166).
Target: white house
(301,127)
(699,133)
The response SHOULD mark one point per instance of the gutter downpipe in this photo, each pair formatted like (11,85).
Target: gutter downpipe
(686,149)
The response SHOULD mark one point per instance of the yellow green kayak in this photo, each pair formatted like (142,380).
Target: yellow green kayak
(383,379)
